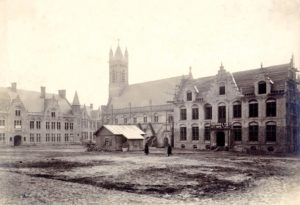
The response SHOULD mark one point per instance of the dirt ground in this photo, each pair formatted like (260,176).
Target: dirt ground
(69,175)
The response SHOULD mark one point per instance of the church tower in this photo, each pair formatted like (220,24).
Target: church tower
(118,72)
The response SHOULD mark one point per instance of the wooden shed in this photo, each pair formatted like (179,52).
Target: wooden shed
(116,137)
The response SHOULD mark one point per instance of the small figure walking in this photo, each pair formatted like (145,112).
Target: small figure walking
(169,150)
(146,150)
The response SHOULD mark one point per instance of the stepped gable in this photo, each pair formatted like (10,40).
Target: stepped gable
(157,92)
(32,100)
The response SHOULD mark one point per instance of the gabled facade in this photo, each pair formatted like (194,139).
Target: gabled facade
(245,111)
(29,117)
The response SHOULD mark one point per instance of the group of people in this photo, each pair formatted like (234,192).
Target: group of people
(169,149)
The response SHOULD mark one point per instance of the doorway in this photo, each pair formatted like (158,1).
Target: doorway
(166,142)
(17,140)
(220,139)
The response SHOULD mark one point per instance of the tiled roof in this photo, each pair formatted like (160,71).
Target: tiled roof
(141,94)
(32,100)
(128,131)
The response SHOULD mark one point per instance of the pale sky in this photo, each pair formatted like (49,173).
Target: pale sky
(64,44)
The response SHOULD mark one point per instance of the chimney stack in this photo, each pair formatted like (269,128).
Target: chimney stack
(62,93)
(14,87)
(43,91)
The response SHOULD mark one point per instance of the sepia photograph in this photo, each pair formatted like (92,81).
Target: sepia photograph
(142,102)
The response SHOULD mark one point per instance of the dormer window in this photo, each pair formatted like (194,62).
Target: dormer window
(189,96)
(262,87)
(52,114)
(222,90)
(18,112)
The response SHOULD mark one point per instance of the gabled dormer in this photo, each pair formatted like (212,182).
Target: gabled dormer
(262,83)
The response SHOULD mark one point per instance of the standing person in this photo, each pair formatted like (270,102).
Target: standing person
(146,150)
(169,150)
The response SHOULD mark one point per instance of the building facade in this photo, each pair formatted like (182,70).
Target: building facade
(29,117)
(253,110)
(146,105)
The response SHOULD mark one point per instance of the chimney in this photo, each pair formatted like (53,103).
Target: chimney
(43,91)
(91,106)
(14,87)
(62,93)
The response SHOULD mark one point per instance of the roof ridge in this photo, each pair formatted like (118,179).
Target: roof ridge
(158,80)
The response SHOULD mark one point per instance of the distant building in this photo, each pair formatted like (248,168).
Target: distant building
(256,109)
(116,137)
(143,104)
(29,117)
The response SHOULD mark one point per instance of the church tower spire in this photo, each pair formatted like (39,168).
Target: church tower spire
(76,104)
(118,71)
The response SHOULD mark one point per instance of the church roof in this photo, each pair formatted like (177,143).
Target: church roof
(156,92)
(31,100)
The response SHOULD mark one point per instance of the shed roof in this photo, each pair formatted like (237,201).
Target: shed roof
(128,131)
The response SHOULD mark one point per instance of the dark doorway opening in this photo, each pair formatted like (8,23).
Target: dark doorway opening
(220,139)
(166,142)
(17,140)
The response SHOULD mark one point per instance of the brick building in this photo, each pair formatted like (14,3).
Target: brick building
(250,110)
(29,117)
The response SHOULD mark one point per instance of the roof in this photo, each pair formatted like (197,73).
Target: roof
(245,79)
(31,100)
(143,94)
(128,131)
(76,99)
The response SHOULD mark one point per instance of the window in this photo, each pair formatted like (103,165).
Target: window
(58,137)
(271,132)
(134,120)
(47,125)
(53,125)
(18,124)
(207,133)
(237,110)
(18,112)
(58,125)
(2,123)
(195,113)
(52,114)
(208,112)
(145,119)
(237,132)
(182,114)
(31,125)
(189,96)
(71,125)
(47,137)
(116,121)
(222,114)
(155,118)
(262,87)
(195,133)
(222,90)
(170,118)
(38,125)
(125,120)
(123,76)
(38,137)
(66,125)
(53,137)
(271,108)
(31,139)
(253,108)
(182,133)
(107,142)
(253,132)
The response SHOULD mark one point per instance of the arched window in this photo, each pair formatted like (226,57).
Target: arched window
(237,109)
(253,131)
(237,132)
(271,131)
(195,112)
(262,87)
(182,113)
(195,132)
(253,108)
(189,96)
(208,112)
(271,107)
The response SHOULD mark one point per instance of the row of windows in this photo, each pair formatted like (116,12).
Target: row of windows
(145,119)
(236,111)
(57,137)
(262,89)
(57,125)
(236,133)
